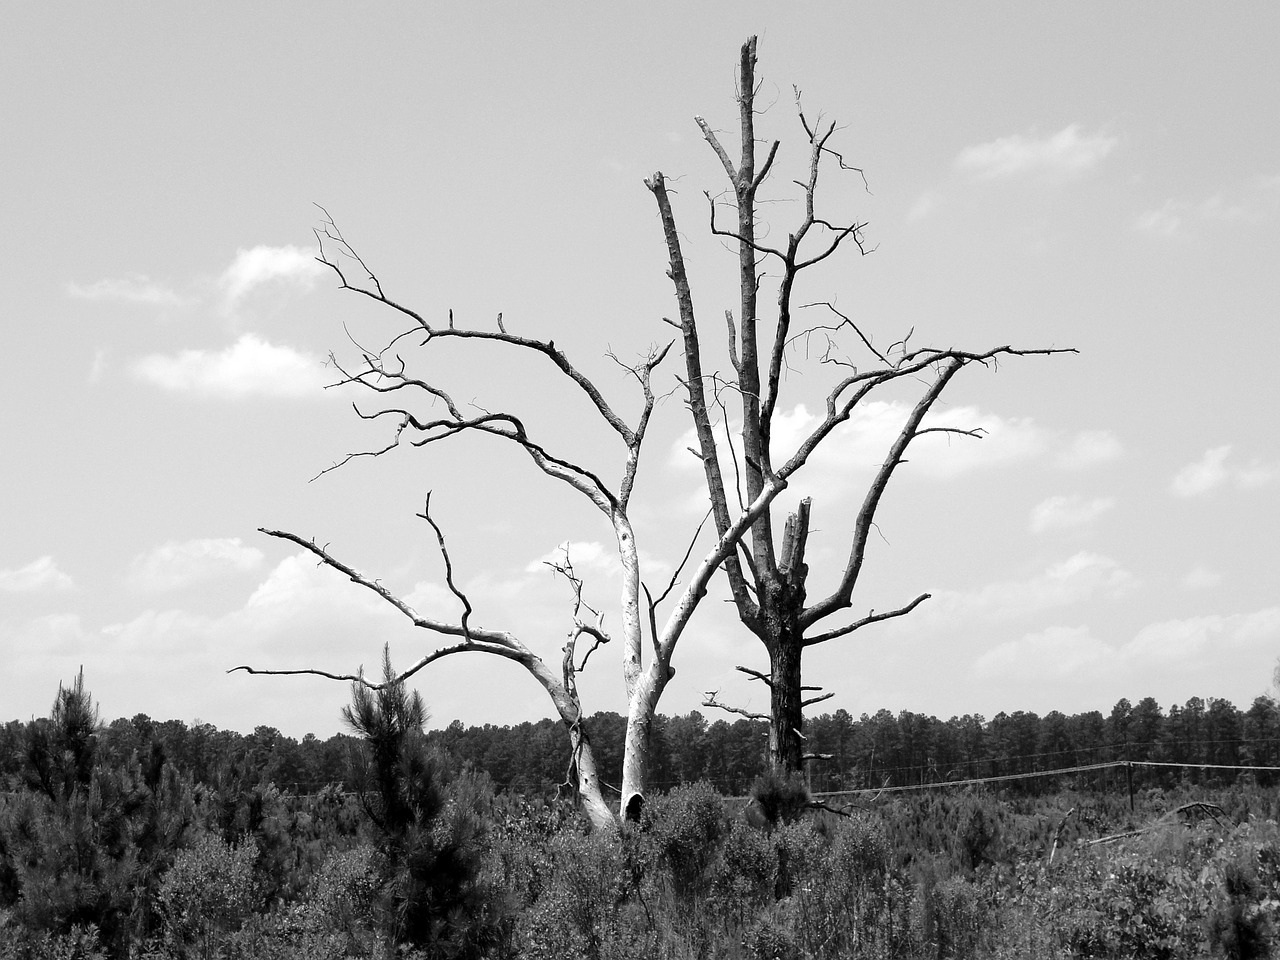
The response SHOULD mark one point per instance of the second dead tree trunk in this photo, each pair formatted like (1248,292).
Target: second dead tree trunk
(770,584)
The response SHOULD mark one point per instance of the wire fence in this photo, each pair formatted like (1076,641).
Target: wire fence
(1058,772)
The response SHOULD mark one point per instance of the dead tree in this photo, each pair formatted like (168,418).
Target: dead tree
(424,412)
(769,580)
(387,375)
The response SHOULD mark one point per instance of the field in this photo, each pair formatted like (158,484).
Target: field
(245,871)
(145,840)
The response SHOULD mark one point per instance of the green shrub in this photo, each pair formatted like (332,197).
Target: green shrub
(779,799)
(579,912)
(683,829)
(208,892)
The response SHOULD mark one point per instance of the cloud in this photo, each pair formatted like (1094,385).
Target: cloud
(1066,513)
(1088,448)
(582,554)
(261,265)
(1054,653)
(38,575)
(862,442)
(924,205)
(134,288)
(857,448)
(1066,154)
(174,565)
(1078,578)
(1178,218)
(1212,471)
(299,615)
(1201,578)
(1180,641)
(1165,221)
(1186,648)
(249,367)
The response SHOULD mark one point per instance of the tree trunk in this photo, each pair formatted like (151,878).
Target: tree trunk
(588,780)
(786,714)
(635,758)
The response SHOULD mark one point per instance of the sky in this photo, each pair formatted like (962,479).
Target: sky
(1096,176)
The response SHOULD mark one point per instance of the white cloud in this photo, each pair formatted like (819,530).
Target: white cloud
(1165,221)
(134,288)
(856,448)
(1179,217)
(174,565)
(260,265)
(1088,448)
(1065,513)
(1067,153)
(1201,578)
(1165,652)
(1052,654)
(1212,471)
(1076,579)
(249,367)
(1213,636)
(864,439)
(923,206)
(582,554)
(41,574)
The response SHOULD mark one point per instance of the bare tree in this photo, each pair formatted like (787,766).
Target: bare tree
(386,374)
(769,580)
(765,601)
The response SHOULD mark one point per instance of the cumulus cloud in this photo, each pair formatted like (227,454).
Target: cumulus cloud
(582,554)
(1055,653)
(862,442)
(174,565)
(1066,154)
(38,575)
(261,265)
(1078,578)
(1195,637)
(249,367)
(134,288)
(857,448)
(1089,448)
(1212,471)
(923,206)
(1201,578)
(1179,218)
(1186,648)
(299,615)
(1067,513)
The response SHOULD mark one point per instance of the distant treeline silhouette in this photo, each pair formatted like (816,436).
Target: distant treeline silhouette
(867,751)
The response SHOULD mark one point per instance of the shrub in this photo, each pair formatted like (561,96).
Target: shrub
(683,829)
(780,799)
(208,892)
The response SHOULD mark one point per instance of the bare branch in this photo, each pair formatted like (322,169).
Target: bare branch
(546,348)
(710,700)
(812,700)
(871,617)
(448,566)
(846,321)
(755,675)
(696,388)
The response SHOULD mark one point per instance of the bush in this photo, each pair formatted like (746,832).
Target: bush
(779,799)
(208,892)
(683,829)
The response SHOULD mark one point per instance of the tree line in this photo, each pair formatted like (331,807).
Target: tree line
(109,857)
(865,752)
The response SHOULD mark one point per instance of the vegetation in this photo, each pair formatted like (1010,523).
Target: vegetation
(153,840)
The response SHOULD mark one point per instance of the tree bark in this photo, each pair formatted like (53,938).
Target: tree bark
(786,710)
(769,593)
